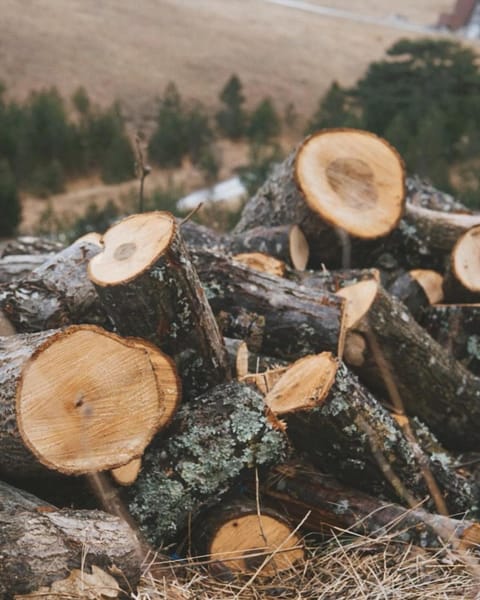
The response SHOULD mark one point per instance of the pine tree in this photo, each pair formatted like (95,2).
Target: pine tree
(10,208)
(264,123)
(231,119)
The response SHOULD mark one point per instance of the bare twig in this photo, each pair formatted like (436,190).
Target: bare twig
(143,170)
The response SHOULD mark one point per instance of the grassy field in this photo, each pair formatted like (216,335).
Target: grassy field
(130,50)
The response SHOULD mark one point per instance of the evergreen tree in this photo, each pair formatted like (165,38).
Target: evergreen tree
(168,144)
(334,110)
(198,132)
(264,123)
(10,208)
(231,119)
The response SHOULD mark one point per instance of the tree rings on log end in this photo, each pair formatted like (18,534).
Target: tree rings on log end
(353,180)
(466,260)
(123,258)
(87,401)
(304,385)
(242,544)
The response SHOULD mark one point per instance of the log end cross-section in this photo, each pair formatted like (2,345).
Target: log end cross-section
(353,180)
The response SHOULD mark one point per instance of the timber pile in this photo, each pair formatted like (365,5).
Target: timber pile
(216,392)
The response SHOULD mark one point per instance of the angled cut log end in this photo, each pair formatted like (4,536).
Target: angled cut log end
(462,282)
(359,297)
(262,262)
(85,399)
(353,179)
(299,248)
(239,541)
(431,283)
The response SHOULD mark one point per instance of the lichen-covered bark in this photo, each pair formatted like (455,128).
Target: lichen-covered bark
(345,433)
(15,457)
(432,384)
(274,241)
(274,316)
(30,245)
(15,267)
(212,441)
(456,327)
(40,544)
(300,489)
(55,294)
(166,305)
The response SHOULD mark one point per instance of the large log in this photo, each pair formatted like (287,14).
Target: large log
(349,179)
(300,489)
(433,386)
(149,288)
(274,316)
(40,544)
(456,327)
(75,400)
(342,428)
(212,441)
(55,294)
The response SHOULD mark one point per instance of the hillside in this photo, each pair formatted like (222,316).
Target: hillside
(119,49)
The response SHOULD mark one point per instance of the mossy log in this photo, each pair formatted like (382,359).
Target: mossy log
(212,441)
(456,327)
(31,245)
(15,267)
(55,294)
(75,400)
(432,384)
(237,539)
(40,544)
(462,279)
(149,288)
(338,179)
(274,316)
(299,489)
(342,428)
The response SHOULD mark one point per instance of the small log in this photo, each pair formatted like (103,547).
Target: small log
(349,179)
(15,267)
(418,289)
(55,294)
(150,290)
(237,539)
(244,362)
(274,316)
(456,327)
(31,245)
(76,400)
(40,544)
(299,489)
(433,386)
(262,262)
(212,441)
(342,428)
(285,242)
(462,280)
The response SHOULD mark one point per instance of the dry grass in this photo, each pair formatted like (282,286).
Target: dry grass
(346,568)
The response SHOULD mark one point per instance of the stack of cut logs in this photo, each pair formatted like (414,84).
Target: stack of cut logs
(318,365)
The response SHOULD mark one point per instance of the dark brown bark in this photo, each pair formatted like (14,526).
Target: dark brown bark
(55,294)
(456,327)
(433,386)
(164,303)
(274,316)
(40,544)
(298,488)
(346,432)
(212,441)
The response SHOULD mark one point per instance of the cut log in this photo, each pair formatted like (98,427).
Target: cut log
(150,290)
(76,400)
(349,179)
(127,474)
(40,544)
(462,280)
(300,489)
(31,245)
(274,316)
(211,442)
(456,327)
(433,386)
(418,289)
(262,262)
(285,242)
(343,429)
(244,362)
(237,539)
(55,294)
